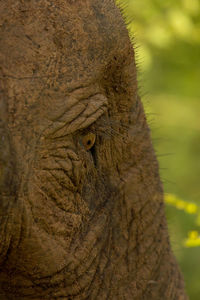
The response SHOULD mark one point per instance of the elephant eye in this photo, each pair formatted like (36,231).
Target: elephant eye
(88,140)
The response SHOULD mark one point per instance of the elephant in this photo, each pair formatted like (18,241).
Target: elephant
(81,202)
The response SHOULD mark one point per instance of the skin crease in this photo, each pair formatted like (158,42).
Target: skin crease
(77,220)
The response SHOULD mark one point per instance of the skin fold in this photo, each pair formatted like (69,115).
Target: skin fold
(81,201)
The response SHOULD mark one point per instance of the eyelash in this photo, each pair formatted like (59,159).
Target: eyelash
(105,128)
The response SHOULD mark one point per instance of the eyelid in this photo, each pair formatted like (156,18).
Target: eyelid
(80,116)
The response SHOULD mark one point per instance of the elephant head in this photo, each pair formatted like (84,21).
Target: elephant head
(81,203)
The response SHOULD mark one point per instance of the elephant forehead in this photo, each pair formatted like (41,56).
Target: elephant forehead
(64,40)
(55,45)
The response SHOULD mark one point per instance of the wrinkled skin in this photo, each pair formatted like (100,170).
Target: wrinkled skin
(81,204)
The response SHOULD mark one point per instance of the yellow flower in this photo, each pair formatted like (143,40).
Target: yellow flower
(191,208)
(193,239)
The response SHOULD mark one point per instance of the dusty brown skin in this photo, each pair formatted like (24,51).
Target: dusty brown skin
(81,203)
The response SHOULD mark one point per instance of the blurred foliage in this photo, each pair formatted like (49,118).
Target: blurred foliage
(166,38)
(193,239)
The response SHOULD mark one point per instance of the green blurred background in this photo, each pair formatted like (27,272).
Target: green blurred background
(166,35)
